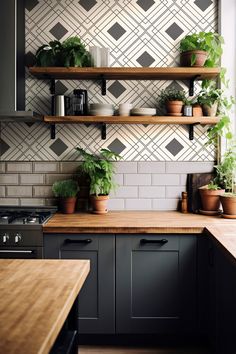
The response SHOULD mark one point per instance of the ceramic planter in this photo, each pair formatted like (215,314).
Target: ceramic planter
(201,56)
(210,110)
(197,110)
(229,204)
(67,205)
(210,199)
(99,203)
(174,108)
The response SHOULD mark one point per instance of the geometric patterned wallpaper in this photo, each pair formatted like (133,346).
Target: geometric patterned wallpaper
(138,33)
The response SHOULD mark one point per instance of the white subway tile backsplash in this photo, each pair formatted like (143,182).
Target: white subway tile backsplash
(138,204)
(22,167)
(116,204)
(47,167)
(165,204)
(19,191)
(151,192)
(31,179)
(165,179)
(188,167)
(137,179)
(174,191)
(2,167)
(42,191)
(2,191)
(32,202)
(6,179)
(126,167)
(125,192)
(151,167)
(9,201)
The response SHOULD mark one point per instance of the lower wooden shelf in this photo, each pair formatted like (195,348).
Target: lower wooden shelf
(131,119)
(103,120)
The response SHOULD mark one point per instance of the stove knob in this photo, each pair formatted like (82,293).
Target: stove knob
(17,238)
(5,237)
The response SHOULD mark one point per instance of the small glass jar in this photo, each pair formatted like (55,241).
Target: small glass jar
(188,111)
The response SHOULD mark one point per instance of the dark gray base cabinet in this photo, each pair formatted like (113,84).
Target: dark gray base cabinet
(137,283)
(97,297)
(155,284)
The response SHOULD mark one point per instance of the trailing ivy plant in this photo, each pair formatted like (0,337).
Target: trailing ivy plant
(100,169)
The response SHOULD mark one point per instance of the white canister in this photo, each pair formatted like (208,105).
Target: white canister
(95,52)
(105,57)
(125,108)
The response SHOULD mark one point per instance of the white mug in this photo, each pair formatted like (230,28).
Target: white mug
(125,108)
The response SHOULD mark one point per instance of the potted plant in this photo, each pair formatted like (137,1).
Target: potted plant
(173,100)
(210,99)
(210,198)
(100,169)
(66,192)
(71,52)
(226,171)
(201,49)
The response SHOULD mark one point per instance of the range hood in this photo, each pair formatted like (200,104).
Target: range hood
(12,69)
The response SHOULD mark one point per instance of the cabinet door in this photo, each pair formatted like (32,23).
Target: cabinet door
(96,299)
(155,283)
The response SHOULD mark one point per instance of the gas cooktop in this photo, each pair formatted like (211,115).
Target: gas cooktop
(25,215)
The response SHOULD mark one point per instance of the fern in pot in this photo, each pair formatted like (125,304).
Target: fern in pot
(210,99)
(100,169)
(66,192)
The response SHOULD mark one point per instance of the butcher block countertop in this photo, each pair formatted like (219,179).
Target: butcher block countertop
(136,222)
(46,291)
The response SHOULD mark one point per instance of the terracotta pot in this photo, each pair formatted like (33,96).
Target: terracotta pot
(99,203)
(210,199)
(201,57)
(197,110)
(228,204)
(210,110)
(174,108)
(67,205)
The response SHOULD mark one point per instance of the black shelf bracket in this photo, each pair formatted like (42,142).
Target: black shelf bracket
(103,85)
(52,87)
(191,130)
(104,131)
(53,131)
(191,84)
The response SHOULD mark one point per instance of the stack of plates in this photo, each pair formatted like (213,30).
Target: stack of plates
(143,111)
(101,109)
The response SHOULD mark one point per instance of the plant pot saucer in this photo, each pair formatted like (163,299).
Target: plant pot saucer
(228,216)
(175,114)
(210,212)
(100,212)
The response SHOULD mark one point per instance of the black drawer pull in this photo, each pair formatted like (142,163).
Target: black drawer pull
(86,241)
(160,242)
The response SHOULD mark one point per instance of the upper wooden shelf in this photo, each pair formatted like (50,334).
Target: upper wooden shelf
(162,73)
(131,119)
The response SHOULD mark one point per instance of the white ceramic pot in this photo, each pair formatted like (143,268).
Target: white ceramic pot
(125,108)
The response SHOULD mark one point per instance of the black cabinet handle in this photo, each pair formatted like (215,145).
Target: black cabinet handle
(86,241)
(160,242)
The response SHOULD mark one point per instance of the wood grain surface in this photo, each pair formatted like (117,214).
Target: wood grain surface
(146,222)
(131,222)
(162,73)
(35,299)
(131,119)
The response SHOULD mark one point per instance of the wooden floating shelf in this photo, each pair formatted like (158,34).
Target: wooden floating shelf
(131,119)
(157,73)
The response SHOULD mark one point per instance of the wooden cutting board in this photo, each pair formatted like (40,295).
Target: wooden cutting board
(194,181)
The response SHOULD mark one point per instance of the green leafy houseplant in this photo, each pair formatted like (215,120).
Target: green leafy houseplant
(100,169)
(71,52)
(66,191)
(173,100)
(209,42)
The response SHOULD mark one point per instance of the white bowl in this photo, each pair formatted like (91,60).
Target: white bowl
(143,111)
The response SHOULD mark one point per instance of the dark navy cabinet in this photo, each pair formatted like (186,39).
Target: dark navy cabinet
(97,297)
(156,283)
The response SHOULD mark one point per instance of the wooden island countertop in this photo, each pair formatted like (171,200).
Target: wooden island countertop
(35,299)
(136,222)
